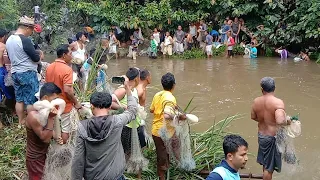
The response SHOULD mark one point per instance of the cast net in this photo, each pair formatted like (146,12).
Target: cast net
(285,141)
(181,153)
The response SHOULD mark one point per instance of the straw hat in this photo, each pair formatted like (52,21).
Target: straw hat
(26,21)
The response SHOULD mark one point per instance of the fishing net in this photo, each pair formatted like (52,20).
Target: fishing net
(58,162)
(285,141)
(183,154)
(136,161)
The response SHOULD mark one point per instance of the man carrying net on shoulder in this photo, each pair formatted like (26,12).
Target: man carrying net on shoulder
(163,107)
(270,114)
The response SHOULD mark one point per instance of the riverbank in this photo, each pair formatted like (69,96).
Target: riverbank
(206,149)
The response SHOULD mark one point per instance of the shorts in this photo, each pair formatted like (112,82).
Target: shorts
(163,161)
(26,85)
(179,47)
(209,50)
(35,168)
(7,91)
(113,49)
(230,53)
(65,122)
(167,50)
(126,138)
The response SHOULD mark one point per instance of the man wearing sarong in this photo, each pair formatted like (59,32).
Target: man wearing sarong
(38,137)
(269,112)
(162,117)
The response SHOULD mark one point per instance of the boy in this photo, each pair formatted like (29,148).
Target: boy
(253,51)
(230,44)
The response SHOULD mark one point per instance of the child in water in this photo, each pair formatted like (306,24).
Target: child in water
(153,48)
(253,51)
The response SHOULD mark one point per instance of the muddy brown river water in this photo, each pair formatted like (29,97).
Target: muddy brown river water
(223,88)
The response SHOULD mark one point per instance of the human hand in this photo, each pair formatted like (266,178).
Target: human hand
(59,140)
(78,106)
(126,83)
(182,117)
(53,112)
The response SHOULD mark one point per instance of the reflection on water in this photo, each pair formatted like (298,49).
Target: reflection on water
(221,88)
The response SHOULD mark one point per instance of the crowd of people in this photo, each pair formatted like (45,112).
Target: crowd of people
(197,35)
(103,142)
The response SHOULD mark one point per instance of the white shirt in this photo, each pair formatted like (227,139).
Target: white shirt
(167,40)
(36,9)
(193,30)
(157,37)
(79,53)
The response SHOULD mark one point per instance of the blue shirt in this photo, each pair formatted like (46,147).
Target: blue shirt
(214,33)
(216,176)
(253,52)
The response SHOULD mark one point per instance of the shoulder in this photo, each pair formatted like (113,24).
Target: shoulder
(214,176)
(2,47)
(32,117)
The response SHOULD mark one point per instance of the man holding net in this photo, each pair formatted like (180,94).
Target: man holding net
(38,137)
(270,114)
(163,107)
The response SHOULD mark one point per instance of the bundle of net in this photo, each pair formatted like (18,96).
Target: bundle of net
(59,155)
(183,154)
(285,140)
(137,161)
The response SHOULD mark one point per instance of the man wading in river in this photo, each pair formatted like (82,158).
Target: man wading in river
(269,112)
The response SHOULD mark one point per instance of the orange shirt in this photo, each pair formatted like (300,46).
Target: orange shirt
(60,73)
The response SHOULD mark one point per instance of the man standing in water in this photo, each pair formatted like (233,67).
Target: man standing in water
(269,112)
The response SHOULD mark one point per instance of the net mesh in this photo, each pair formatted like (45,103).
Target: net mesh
(285,142)
(137,161)
(183,154)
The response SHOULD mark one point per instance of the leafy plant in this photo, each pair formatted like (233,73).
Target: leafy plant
(194,53)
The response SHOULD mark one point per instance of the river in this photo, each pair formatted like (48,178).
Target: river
(222,88)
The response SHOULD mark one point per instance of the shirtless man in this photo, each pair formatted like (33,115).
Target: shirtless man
(145,80)
(8,91)
(269,112)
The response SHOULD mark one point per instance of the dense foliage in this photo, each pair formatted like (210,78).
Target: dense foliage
(294,23)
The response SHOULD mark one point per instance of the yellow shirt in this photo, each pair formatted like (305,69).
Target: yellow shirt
(157,107)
